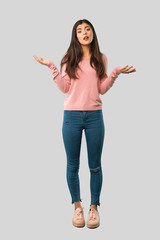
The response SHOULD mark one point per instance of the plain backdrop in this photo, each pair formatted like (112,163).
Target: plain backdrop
(34,198)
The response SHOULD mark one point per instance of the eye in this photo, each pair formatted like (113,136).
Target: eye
(88,29)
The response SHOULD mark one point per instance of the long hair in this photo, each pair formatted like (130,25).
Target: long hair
(74,54)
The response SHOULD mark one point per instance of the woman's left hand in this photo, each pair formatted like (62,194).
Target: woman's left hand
(126,69)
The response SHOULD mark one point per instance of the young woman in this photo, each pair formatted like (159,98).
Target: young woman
(83,77)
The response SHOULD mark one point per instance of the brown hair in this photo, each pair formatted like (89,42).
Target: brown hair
(74,54)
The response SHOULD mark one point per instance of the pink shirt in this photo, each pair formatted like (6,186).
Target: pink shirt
(83,93)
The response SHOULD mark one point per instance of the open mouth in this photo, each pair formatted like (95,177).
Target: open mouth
(86,38)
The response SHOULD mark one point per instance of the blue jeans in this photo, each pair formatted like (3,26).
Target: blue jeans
(73,124)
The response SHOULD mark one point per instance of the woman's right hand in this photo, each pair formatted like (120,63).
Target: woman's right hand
(126,69)
(41,60)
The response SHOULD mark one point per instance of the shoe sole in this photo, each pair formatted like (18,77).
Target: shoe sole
(78,225)
(93,226)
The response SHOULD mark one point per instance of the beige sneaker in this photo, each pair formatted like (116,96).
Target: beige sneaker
(78,218)
(93,218)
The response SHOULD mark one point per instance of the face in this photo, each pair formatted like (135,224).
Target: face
(83,30)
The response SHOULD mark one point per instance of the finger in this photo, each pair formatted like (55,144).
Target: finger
(124,67)
(133,69)
(129,71)
(35,57)
(128,68)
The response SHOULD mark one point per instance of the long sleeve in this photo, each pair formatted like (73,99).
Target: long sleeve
(62,80)
(107,81)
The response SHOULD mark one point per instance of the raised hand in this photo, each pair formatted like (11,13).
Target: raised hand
(41,60)
(126,69)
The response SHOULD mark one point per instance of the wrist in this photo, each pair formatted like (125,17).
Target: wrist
(49,64)
(118,70)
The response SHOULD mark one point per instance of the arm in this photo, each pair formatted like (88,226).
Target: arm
(62,80)
(106,83)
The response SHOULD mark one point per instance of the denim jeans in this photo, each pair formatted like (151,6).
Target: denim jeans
(73,124)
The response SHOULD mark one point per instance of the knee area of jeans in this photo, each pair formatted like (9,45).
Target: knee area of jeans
(73,168)
(97,169)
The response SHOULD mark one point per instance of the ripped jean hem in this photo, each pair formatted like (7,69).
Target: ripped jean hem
(95,204)
(76,201)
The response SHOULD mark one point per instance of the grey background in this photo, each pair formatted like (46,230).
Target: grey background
(35,202)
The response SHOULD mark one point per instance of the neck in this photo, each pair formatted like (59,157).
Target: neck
(86,51)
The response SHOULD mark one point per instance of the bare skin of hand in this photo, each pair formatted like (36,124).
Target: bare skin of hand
(126,69)
(41,60)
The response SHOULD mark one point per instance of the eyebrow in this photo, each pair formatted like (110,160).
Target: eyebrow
(81,28)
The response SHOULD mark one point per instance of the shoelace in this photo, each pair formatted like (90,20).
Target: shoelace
(79,212)
(92,214)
